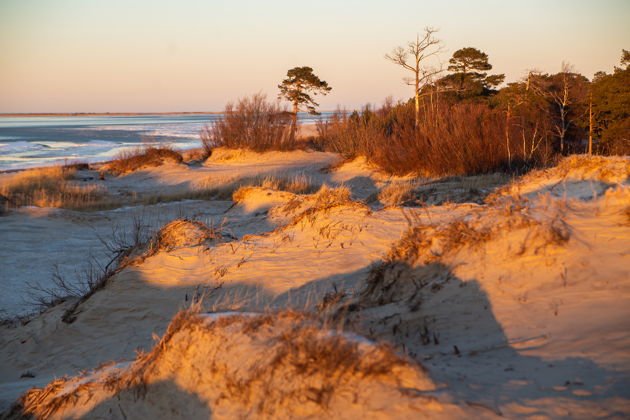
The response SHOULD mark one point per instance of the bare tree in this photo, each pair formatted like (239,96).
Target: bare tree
(412,57)
(590,120)
(559,91)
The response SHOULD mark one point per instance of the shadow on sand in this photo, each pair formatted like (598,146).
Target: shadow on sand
(448,326)
(427,312)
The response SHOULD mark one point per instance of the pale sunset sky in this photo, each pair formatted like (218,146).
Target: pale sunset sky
(194,55)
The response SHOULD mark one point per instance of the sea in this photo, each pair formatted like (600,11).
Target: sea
(32,141)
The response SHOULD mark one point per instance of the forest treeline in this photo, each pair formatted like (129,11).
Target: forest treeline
(459,120)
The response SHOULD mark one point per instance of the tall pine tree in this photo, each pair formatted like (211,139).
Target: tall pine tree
(297,87)
(469,77)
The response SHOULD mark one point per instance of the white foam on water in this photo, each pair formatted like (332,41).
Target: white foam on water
(177,131)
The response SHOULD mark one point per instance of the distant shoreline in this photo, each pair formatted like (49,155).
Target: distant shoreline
(100,114)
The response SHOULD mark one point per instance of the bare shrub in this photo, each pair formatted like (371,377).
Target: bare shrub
(252,123)
(140,158)
(50,187)
(451,139)
(121,244)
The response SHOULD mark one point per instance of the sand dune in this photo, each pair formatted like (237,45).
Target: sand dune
(515,306)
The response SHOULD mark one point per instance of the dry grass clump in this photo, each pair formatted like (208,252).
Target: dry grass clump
(260,366)
(451,189)
(606,169)
(297,184)
(322,201)
(426,243)
(137,159)
(331,196)
(431,242)
(183,233)
(396,193)
(197,155)
(50,187)
(422,246)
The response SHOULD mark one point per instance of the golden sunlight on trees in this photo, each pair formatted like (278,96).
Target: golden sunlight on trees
(469,77)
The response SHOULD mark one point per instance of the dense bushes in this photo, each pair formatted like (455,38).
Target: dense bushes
(136,159)
(252,123)
(462,138)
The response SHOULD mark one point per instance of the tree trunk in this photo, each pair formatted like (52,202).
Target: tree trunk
(417,97)
(294,121)
(590,124)
(507,134)
(563,127)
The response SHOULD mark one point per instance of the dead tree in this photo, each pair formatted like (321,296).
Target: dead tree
(412,58)
(559,95)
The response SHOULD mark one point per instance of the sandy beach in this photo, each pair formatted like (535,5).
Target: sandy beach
(453,298)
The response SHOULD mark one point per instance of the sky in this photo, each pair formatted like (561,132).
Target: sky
(196,55)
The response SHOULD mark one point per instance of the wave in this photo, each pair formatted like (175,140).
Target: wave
(28,154)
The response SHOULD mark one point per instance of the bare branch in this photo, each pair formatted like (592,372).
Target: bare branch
(412,58)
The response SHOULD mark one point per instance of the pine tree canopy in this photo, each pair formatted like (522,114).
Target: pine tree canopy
(299,85)
(469,58)
(469,75)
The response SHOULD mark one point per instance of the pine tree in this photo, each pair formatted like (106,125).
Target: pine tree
(297,87)
(469,76)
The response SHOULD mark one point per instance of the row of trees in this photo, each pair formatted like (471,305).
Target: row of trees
(567,110)
(459,120)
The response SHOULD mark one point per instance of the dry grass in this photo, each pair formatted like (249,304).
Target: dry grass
(194,155)
(329,196)
(434,245)
(608,170)
(605,169)
(307,208)
(183,233)
(298,184)
(432,242)
(295,361)
(396,193)
(50,187)
(141,158)
(426,243)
